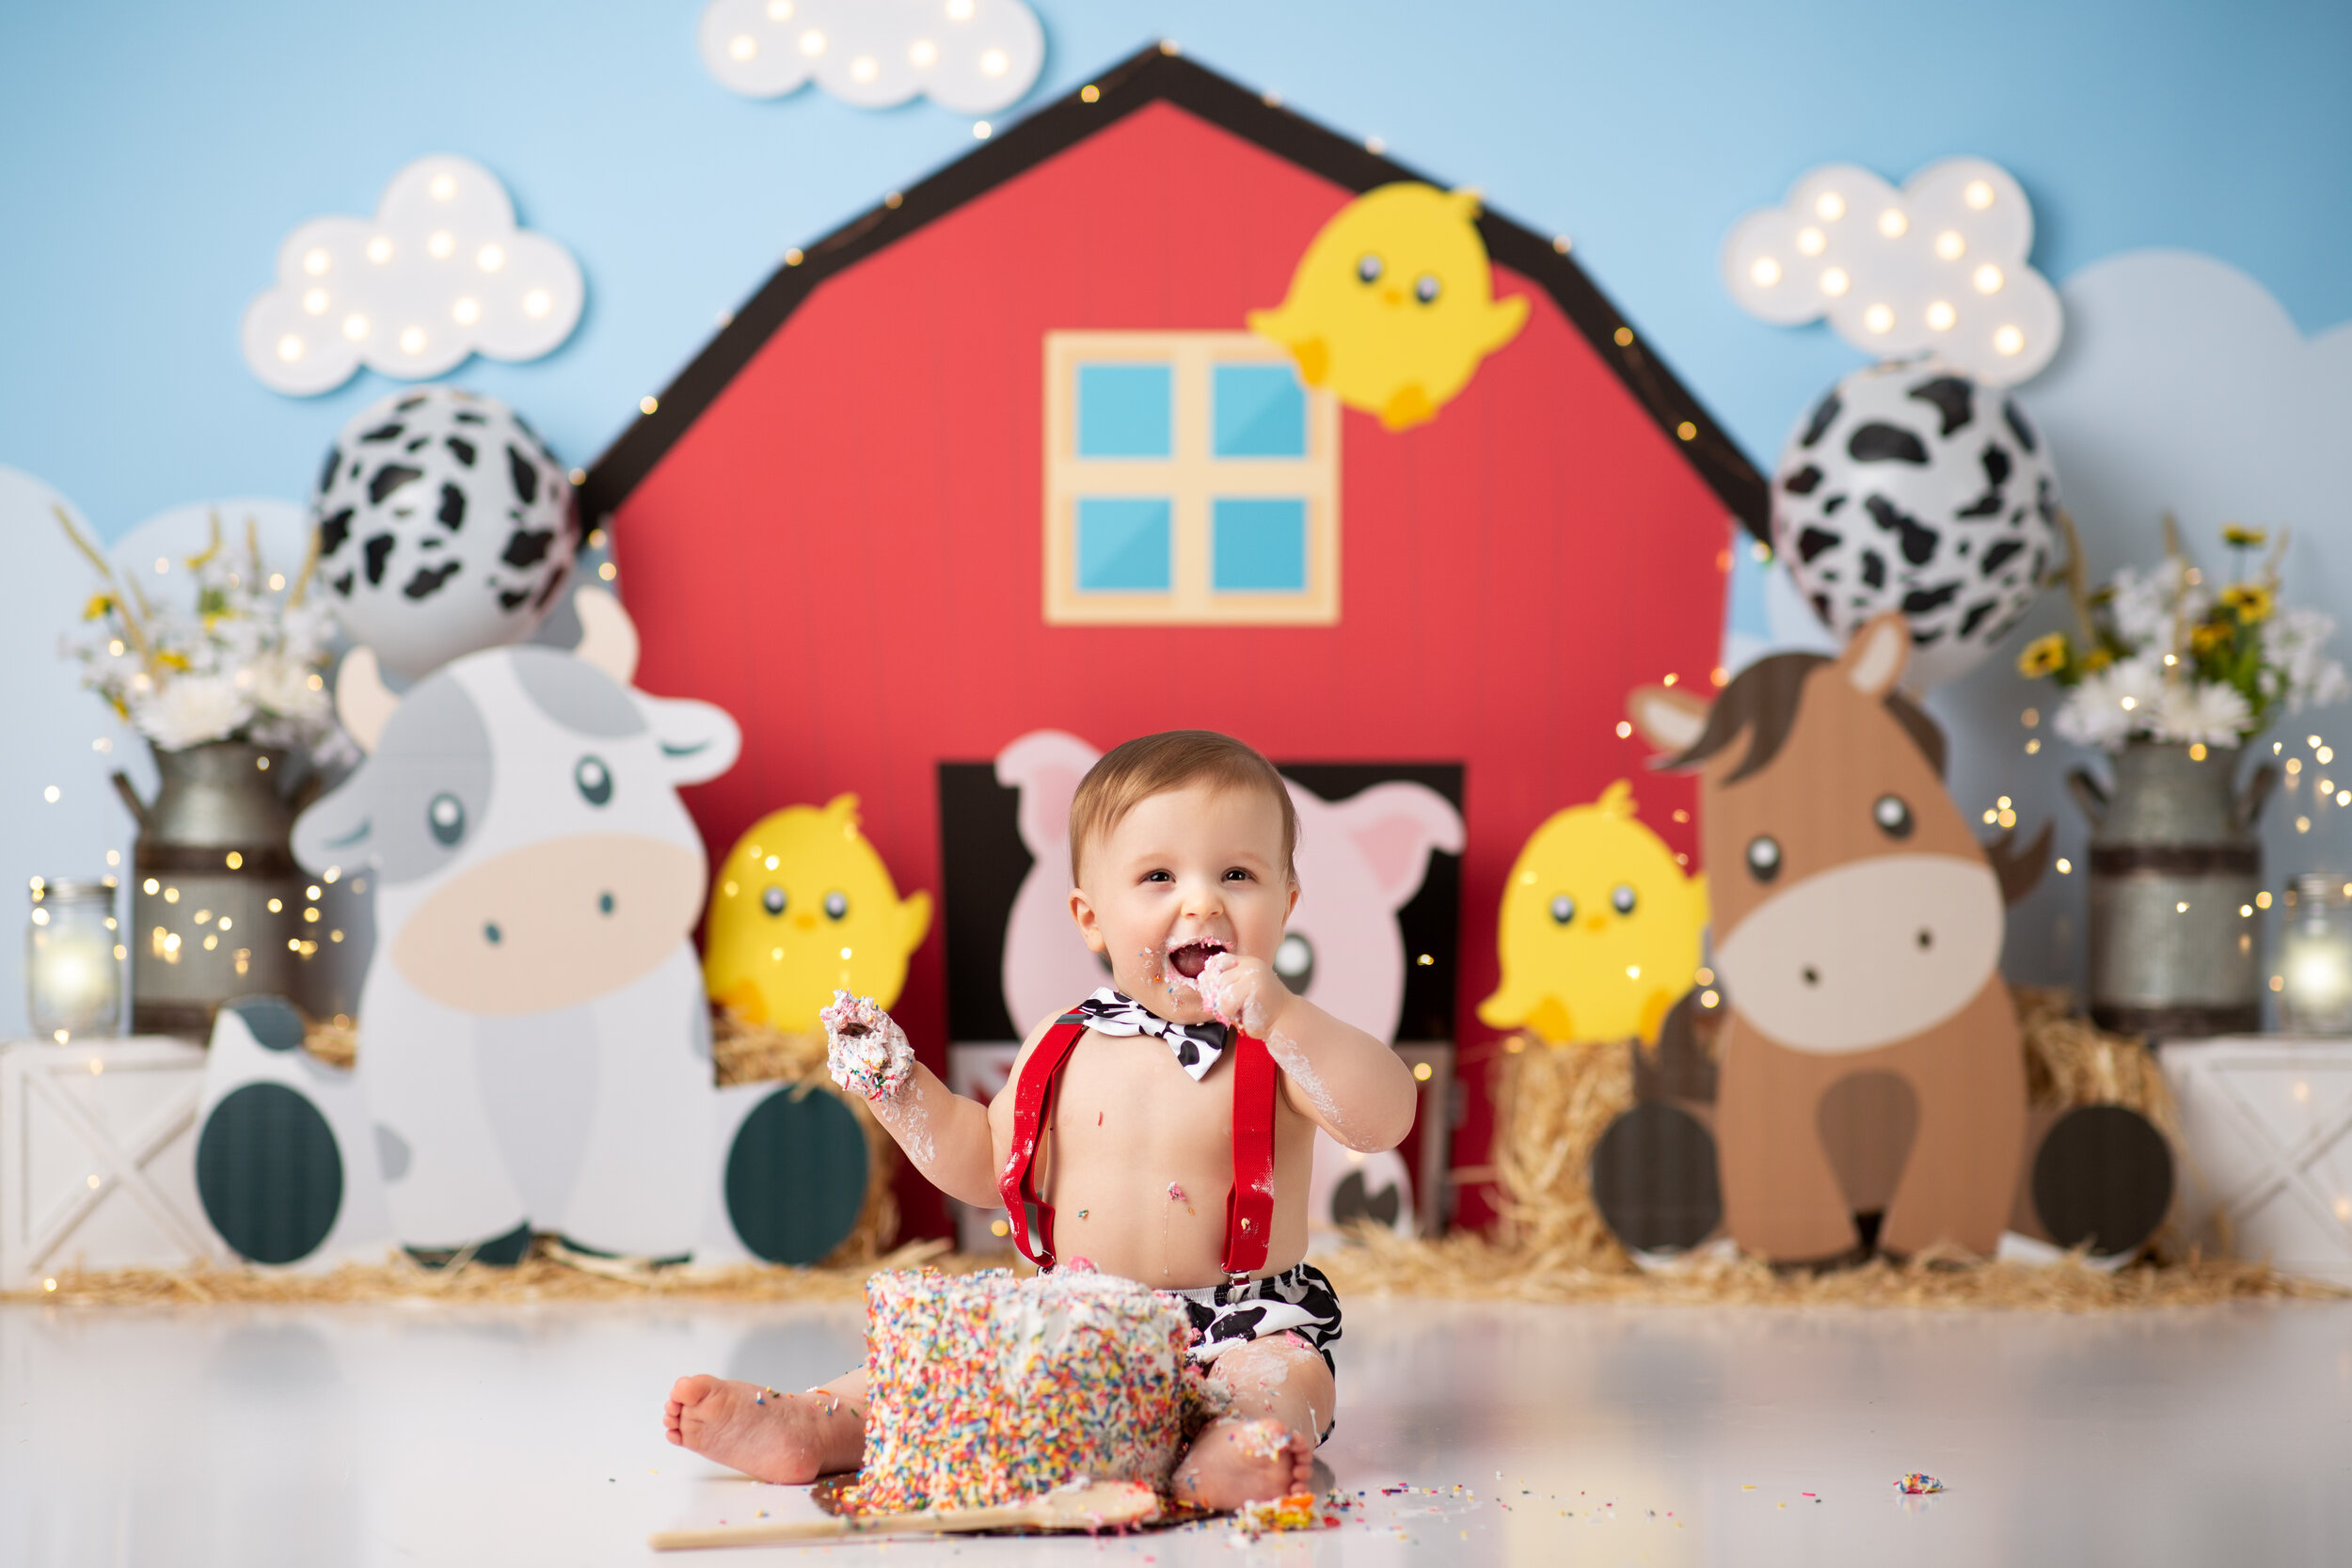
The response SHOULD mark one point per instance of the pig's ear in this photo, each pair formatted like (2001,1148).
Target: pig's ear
(339,829)
(1045,766)
(698,741)
(1394,827)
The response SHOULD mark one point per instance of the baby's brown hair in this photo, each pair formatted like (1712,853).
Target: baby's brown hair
(1129,774)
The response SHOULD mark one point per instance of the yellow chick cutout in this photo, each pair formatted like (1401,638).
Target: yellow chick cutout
(1393,305)
(803,906)
(1599,931)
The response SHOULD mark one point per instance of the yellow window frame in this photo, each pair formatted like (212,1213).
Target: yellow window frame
(1192,478)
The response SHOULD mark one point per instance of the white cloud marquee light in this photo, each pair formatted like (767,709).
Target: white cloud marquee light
(439,273)
(974,56)
(1938,267)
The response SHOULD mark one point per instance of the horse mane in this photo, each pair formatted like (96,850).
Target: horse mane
(1762,699)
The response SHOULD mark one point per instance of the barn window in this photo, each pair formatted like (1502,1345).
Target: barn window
(1190,478)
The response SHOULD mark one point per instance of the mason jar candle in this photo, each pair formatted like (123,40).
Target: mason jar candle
(72,959)
(2315,956)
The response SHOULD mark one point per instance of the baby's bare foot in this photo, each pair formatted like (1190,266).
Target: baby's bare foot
(787,1438)
(1234,1462)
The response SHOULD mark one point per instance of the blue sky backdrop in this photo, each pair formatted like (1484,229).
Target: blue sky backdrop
(156,155)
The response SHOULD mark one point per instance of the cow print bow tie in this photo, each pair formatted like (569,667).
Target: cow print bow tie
(1196,1045)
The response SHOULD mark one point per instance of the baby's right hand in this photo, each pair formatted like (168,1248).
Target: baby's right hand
(865,1051)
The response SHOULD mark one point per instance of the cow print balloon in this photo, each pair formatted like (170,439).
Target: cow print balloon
(1912,487)
(445,526)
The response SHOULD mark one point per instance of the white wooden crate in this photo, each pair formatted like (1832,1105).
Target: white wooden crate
(98,1157)
(2266,1122)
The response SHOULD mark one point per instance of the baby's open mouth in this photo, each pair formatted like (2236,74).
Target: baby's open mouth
(1193,956)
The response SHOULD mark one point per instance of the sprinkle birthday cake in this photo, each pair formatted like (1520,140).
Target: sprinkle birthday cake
(989,1389)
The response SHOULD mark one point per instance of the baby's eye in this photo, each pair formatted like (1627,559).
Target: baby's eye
(1236,874)
(1158,877)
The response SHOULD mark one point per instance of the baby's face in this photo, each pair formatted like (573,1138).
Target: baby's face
(1185,874)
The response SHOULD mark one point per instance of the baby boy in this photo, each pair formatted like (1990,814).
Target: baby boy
(1162,1131)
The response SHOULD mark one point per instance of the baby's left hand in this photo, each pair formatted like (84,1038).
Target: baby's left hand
(1245,992)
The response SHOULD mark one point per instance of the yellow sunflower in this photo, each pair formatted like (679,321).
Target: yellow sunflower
(2211,635)
(2043,655)
(2249,601)
(2096,661)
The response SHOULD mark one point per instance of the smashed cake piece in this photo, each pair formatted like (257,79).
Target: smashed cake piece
(988,1389)
(865,1051)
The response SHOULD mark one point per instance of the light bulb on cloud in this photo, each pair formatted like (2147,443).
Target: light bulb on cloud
(1938,267)
(439,273)
(975,57)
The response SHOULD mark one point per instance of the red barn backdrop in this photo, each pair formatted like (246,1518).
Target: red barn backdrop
(831,525)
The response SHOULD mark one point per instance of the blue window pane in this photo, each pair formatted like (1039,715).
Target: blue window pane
(1123,410)
(1260,412)
(1260,547)
(1123,544)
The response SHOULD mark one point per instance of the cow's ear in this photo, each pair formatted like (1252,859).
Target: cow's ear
(339,829)
(1394,827)
(698,741)
(1045,766)
(607,638)
(362,702)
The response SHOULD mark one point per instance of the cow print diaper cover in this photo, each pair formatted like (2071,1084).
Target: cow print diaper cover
(1300,1301)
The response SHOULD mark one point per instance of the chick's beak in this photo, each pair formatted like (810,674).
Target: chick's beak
(1394,296)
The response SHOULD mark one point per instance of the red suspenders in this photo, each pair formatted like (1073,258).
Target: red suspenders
(1248,1207)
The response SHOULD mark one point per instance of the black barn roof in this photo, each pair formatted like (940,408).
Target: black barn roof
(1159,75)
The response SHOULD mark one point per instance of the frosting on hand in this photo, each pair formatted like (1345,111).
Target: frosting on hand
(865,1051)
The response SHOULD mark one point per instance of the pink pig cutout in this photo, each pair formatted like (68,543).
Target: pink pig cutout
(1360,861)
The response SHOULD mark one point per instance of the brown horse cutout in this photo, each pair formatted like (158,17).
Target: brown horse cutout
(1871,1060)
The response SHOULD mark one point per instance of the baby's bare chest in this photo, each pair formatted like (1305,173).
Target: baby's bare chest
(1122,1095)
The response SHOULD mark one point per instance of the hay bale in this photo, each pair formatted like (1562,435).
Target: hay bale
(1469,1267)
(1552,1103)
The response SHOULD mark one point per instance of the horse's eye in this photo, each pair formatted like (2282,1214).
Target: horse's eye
(1892,816)
(1764,857)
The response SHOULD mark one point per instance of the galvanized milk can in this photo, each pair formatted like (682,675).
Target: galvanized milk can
(2174,862)
(217,899)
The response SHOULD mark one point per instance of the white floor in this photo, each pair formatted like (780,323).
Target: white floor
(393,1435)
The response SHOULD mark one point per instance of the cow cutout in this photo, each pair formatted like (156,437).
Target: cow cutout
(1871,1059)
(535,1050)
(1360,861)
